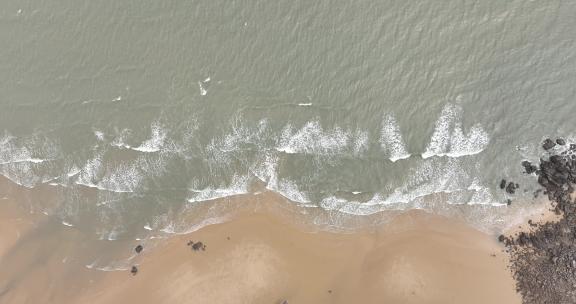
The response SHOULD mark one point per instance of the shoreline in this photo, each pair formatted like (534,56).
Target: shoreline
(415,258)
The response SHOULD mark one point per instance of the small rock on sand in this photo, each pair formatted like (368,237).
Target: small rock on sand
(197,246)
(139,248)
(134,270)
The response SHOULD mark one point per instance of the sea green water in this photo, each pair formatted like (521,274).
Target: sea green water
(134,112)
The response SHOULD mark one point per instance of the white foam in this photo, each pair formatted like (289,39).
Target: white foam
(99,135)
(186,229)
(156,141)
(119,267)
(361,142)
(431,178)
(147,227)
(313,139)
(89,174)
(119,140)
(220,150)
(239,185)
(266,170)
(67,224)
(12,152)
(121,178)
(391,139)
(449,138)
(290,190)
(305,104)
(110,236)
(73,171)
(374,205)
(203,91)
(27,161)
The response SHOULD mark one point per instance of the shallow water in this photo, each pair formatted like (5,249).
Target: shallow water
(134,113)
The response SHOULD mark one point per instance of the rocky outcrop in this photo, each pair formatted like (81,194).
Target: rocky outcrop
(544,261)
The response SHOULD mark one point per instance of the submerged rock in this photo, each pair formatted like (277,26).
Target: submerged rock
(529,168)
(139,248)
(560,141)
(503,184)
(511,188)
(548,144)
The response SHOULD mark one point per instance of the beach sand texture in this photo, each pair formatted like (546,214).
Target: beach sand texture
(262,258)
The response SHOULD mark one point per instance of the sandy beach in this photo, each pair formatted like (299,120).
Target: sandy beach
(259,257)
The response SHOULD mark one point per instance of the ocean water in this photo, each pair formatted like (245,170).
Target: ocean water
(137,116)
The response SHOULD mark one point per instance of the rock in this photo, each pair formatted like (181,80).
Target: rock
(134,270)
(560,141)
(139,248)
(511,188)
(528,167)
(557,160)
(503,184)
(543,259)
(508,202)
(573,147)
(197,246)
(548,144)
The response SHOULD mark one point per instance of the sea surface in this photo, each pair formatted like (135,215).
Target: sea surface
(134,115)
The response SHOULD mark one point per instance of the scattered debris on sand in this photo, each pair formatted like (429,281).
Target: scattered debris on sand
(139,248)
(134,270)
(197,246)
(543,260)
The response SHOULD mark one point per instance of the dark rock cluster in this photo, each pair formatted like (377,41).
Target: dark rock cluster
(509,187)
(543,260)
(196,246)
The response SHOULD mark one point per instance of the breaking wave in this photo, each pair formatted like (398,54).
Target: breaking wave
(313,139)
(239,185)
(156,141)
(449,138)
(391,139)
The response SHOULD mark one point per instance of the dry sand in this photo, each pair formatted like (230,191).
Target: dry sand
(263,258)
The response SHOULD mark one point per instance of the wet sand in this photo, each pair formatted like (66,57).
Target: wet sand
(262,258)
